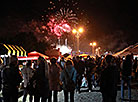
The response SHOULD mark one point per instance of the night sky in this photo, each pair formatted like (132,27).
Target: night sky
(112,23)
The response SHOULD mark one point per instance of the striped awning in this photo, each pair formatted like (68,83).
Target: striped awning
(7,49)
(35,53)
(28,58)
(33,56)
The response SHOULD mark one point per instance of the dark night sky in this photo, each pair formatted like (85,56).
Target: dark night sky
(111,21)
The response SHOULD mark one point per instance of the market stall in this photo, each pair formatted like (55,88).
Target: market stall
(133,49)
(6,50)
(33,56)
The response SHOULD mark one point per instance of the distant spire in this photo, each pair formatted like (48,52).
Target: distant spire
(66,42)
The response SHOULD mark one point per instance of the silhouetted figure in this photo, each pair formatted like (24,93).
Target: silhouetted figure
(90,66)
(80,68)
(135,69)
(108,83)
(27,73)
(1,67)
(54,74)
(126,76)
(11,78)
(71,73)
(118,64)
(41,81)
(62,62)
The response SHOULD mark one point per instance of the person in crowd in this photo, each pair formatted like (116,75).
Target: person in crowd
(70,72)
(1,63)
(118,64)
(62,62)
(108,82)
(27,73)
(11,79)
(90,71)
(135,68)
(54,81)
(1,66)
(35,65)
(84,81)
(126,76)
(40,78)
(80,68)
(96,76)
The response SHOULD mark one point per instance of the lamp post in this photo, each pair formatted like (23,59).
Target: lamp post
(77,33)
(93,45)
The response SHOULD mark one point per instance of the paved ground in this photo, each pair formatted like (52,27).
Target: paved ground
(96,96)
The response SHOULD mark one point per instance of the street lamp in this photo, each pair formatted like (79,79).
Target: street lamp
(77,33)
(93,45)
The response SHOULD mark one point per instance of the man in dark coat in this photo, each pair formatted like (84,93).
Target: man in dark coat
(126,76)
(108,84)
(11,79)
(80,68)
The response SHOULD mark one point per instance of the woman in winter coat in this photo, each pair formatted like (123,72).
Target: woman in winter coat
(54,73)
(71,73)
(41,81)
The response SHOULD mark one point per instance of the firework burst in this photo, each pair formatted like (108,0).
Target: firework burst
(62,22)
(61,16)
(68,15)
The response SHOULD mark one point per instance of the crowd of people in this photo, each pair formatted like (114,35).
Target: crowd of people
(47,78)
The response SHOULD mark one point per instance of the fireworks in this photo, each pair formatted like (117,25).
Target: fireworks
(58,28)
(62,21)
(66,14)
(61,16)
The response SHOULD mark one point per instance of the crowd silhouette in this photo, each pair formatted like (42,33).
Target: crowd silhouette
(43,79)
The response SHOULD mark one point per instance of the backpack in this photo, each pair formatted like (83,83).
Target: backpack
(69,84)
